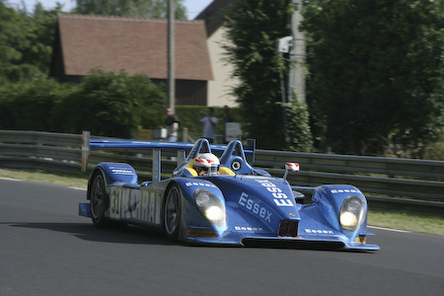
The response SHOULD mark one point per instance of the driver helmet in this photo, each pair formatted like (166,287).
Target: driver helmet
(207,164)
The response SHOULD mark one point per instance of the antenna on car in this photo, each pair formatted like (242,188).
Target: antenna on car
(291,167)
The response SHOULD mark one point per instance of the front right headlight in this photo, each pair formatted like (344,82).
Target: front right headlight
(210,206)
(352,213)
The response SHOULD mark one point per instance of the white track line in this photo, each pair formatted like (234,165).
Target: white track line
(77,188)
(390,229)
(10,179)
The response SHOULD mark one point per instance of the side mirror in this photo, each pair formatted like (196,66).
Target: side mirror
(291,167)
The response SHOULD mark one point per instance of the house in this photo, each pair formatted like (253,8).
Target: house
(220,87)
(137,46)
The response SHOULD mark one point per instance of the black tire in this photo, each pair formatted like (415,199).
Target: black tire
(172,213)
(99,200)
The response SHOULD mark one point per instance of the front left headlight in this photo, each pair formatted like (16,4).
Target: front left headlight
(352,213)
(210,206)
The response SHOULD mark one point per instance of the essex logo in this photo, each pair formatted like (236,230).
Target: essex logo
(188,184)
(279,198)
(254,207)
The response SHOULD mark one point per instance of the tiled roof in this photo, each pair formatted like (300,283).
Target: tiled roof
(136,45)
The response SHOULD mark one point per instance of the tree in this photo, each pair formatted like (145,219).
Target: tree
(25,43)
(376,73)
(42,38)
(12,41)
(130,8)
(253,28)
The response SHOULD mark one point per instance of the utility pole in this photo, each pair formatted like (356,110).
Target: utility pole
(297,54)
(171,64)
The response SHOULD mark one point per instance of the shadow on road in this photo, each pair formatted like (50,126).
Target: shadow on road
(85,231)
(153,236)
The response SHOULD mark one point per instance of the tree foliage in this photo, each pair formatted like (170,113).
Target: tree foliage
(299,133)
(26,38)
(108,104)
(253,28)
(25,43)
(130,8)
(112,104)
(31,105)
(376,73)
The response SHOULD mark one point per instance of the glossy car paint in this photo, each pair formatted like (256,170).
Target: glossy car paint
(255,203)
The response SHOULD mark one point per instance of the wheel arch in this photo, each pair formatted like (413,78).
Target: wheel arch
(113,172)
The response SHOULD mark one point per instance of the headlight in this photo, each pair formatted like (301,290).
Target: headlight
(352,213)
(210,206)
(214,213)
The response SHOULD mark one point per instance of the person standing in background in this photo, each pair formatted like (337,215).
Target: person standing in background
(172,124)
(209,125)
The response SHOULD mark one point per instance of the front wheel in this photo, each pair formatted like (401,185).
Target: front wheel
(99,200)
(172,212)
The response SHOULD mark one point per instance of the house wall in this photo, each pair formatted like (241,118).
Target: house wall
(188,92)
(191,92)
(220,87)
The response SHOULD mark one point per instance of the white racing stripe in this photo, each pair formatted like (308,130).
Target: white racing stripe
(390,229)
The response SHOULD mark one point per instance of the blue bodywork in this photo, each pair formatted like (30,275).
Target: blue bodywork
(258,208)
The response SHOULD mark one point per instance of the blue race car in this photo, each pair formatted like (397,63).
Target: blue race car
(225,201)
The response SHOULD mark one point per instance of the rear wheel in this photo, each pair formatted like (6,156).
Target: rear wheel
(99,200)
(172,212)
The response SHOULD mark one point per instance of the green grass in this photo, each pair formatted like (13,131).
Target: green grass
(433,224)
(79,180)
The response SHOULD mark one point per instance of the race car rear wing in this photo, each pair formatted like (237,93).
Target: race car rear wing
(200,146)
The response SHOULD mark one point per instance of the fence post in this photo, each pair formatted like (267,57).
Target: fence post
(157,165)
(186,136)
(86,135)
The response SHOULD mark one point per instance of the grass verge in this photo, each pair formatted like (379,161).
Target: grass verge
(433,224)
(79,180)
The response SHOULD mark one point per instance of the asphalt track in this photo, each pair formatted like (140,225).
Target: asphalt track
(46,249)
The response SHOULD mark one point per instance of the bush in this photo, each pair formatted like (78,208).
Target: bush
(107,104)
(298,128)
(112,104)
(31,105)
